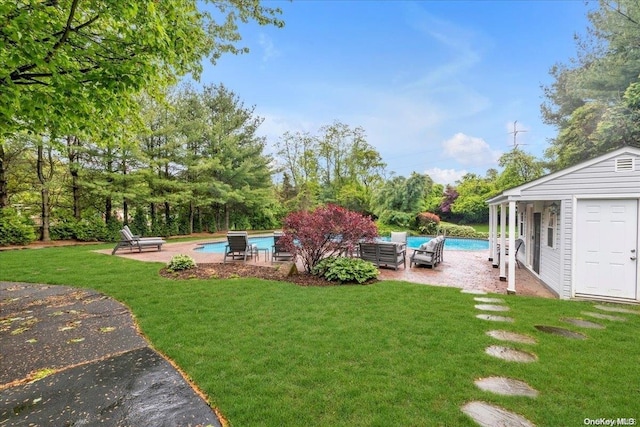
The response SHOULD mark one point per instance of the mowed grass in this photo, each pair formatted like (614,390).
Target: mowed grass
(393,353)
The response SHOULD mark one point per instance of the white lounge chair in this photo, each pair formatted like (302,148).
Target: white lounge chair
(127,240)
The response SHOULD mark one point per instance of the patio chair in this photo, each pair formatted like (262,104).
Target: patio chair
(429,253)
(399,237)
(279,252)
(238,246)
(127,240)
(519,243)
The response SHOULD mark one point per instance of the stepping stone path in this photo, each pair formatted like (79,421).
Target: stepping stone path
(490,300)
(484,413)
(473,292)
(491,307)
(488,415)
(493,318)
(583,323)
(605,316)
(506,386)
(510,354)
(616,309)
(511,336)
(554,330)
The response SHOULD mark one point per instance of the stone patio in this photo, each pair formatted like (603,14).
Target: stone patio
(468,270)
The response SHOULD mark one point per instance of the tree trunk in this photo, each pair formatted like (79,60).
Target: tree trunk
(152,215)
(4,196)
(191,217)
(44,191)
(125,212)
(125,205)
(74,167)
(108,208)
(226,217)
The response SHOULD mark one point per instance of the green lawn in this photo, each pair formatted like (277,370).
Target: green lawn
(392,353)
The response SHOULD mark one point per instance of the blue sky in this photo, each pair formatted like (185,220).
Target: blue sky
(436,85)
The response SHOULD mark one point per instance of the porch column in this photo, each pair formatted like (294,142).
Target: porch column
(491,236)
(503,242)
(511,286)
(494,249)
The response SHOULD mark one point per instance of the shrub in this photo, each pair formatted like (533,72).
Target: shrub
(326,231)
(181,263)
(63,229)
(345,270)
(14,229)
(427,223)
(454,230)
(90,230)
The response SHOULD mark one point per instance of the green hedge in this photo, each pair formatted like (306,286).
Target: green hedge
(15,229)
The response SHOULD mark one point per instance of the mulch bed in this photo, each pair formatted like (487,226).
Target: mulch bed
(282,272)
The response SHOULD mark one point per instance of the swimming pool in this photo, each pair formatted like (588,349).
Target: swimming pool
(452,243)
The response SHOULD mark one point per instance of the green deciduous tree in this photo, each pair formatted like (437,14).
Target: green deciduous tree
(589,100)
(518,167)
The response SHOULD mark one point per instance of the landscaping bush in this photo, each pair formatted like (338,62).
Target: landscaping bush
(326,231)
(64,229)
(345,270)
(427,223)
(180,263)
(91,230)
(454,230)
(14,229)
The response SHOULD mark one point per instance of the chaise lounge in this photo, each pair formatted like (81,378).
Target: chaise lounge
(238,246)
(127,240)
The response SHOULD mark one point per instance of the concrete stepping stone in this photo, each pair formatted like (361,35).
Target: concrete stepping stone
(511,336)
(506,386)
(489,300)
(494,318)
(510,354)
(582,323)
(487,415)
(554,330)
(605,316)
(492,307)
(473,292)
(616,309)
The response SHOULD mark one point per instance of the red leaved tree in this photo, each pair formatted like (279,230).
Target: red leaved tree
(326,231)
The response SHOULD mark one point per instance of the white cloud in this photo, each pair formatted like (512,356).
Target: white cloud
(269,51)
(469,150)
(445,176)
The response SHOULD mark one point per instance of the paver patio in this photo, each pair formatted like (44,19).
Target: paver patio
(469,270)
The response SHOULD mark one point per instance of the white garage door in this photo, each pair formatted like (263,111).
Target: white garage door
(607,248)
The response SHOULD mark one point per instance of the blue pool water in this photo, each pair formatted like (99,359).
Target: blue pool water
(452,243)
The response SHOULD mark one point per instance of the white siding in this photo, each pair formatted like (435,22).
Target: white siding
(600,178)
(597,179)
(550,262)
(567,245)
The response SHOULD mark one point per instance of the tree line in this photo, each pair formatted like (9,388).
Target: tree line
(97,133)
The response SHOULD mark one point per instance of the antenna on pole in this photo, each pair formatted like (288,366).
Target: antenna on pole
(515,134)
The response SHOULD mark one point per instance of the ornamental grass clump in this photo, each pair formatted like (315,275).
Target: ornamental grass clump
(345,270)
(181,263)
